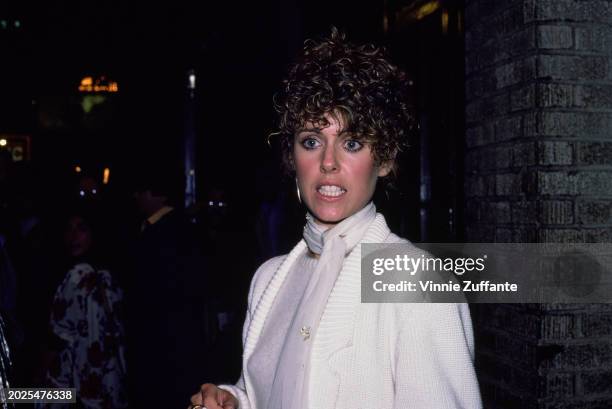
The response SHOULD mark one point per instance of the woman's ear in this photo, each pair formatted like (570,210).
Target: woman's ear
(385,168)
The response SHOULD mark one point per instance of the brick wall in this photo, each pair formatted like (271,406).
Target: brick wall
(539,169)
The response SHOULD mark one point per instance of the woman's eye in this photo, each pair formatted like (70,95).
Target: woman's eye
(352,145)
(310,143)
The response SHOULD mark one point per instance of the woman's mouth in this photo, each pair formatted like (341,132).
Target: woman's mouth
(331,191)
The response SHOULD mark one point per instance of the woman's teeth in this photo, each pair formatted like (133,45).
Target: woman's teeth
(328,190)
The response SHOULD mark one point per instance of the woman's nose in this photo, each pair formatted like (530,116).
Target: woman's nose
(329,161)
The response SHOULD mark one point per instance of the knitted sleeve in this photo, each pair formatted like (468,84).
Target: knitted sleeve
(433,356)
(258,283)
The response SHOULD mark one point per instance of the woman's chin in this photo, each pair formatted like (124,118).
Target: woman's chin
(328,217)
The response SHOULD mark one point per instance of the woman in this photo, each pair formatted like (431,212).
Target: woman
(308,340)
(86,325)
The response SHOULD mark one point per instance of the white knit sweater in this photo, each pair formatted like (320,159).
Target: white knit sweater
(366,356)
(265,364)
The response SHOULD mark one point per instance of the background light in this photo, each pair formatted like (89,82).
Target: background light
(3,142)
(445,21)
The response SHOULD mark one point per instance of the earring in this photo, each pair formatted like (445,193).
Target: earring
(297,189)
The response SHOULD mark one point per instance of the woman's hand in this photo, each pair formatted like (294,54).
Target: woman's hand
(212,397)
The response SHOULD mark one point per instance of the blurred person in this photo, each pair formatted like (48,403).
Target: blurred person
(223,224)
(169,312)
(270,214)
(308,340)
(87,346)
(35,254)
(87,187)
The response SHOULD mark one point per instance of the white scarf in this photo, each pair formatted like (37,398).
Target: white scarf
(332,245)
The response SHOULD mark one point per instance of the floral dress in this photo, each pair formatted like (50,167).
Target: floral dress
(86,316)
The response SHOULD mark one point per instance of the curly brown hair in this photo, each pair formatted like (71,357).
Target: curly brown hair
(356,82)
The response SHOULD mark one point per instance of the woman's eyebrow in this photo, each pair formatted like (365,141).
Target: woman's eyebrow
(343,134)
(301,130)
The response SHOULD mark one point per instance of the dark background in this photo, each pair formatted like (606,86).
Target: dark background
(239,53)
(530,139)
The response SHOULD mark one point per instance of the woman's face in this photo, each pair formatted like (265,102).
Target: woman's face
(78,237)
(336,174)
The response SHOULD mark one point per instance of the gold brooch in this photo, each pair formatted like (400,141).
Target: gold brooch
(305,332)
